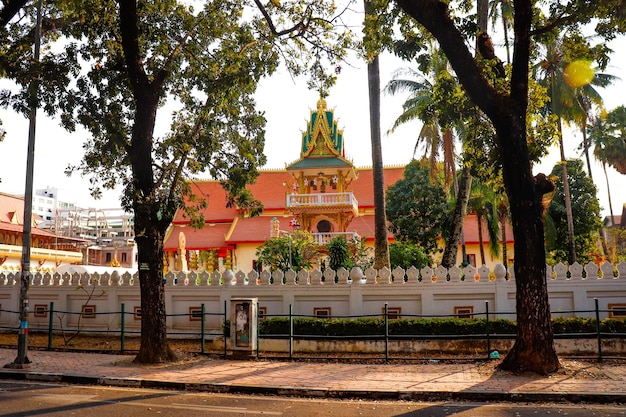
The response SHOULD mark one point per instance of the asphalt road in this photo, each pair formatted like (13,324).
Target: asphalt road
(39,399)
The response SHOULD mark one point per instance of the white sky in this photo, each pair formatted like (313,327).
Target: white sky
(287,104)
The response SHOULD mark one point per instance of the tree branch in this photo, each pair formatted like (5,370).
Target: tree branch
(10,9)
(434,16)
(301,27)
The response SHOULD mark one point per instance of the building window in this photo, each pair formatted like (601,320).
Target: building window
(137,313)
(123,256)
(257,266)
(89,312)
(393,313)
(262,313)
(107,257)
(322,312)
(195,313)
(617,310)
(41,310)
(465,312)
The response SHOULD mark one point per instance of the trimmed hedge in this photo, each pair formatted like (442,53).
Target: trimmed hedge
(433,326)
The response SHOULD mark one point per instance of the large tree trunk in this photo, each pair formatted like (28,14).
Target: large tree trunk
(381,248)
(534,346)
(150,221)
(149,234)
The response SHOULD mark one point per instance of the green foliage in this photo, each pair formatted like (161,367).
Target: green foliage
(585,211)
(370,326)
(416,208)
(297,250)
(374,326)
(338,253)
(608,136)
(406,255)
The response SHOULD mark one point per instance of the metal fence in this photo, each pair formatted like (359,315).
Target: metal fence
(386,338)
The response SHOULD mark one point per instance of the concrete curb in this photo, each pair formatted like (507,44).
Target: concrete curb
(313,392)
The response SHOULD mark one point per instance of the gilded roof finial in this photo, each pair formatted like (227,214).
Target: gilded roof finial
(321,104)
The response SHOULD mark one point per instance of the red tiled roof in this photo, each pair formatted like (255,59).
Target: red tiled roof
(215,196)
(209,237)
(254,229)
(10,227)
(10,206)
(363,186)
(268,189)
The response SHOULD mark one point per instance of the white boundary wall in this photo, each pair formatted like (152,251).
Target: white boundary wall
(345,293)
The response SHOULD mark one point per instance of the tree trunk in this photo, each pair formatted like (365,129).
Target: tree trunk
(456,225)
(149,234)
(154,346)
(586,147)
(381,248)
(150,220)
(604,244)
(534,346)
(503,211)
(567,198)
(479,220)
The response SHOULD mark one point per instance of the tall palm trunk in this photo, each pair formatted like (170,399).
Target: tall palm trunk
(568,200)
(608,190)
(479,220)
(583,129)
(503,214)
(381,248)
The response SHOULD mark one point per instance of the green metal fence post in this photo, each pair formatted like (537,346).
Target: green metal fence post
(202,330)
(122,327)
(290,331)
(386,332)
(598,330)
(50,323)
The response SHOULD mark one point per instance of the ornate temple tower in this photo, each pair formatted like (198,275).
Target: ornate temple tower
(319,196)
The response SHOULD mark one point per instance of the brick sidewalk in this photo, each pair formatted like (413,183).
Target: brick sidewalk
(579,381)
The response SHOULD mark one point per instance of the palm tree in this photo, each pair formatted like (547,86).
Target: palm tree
(381,248)
(563,104)
(571,104)
(589,98)
(607,137)
(420,105)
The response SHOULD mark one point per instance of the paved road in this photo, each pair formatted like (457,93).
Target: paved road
(45,399)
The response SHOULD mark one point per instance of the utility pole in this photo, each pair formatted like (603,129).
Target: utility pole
(22,360)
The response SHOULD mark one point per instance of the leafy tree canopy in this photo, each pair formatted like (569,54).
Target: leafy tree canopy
(296,251)
(585,211)
(417,208)
(206,60)
(406,255)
